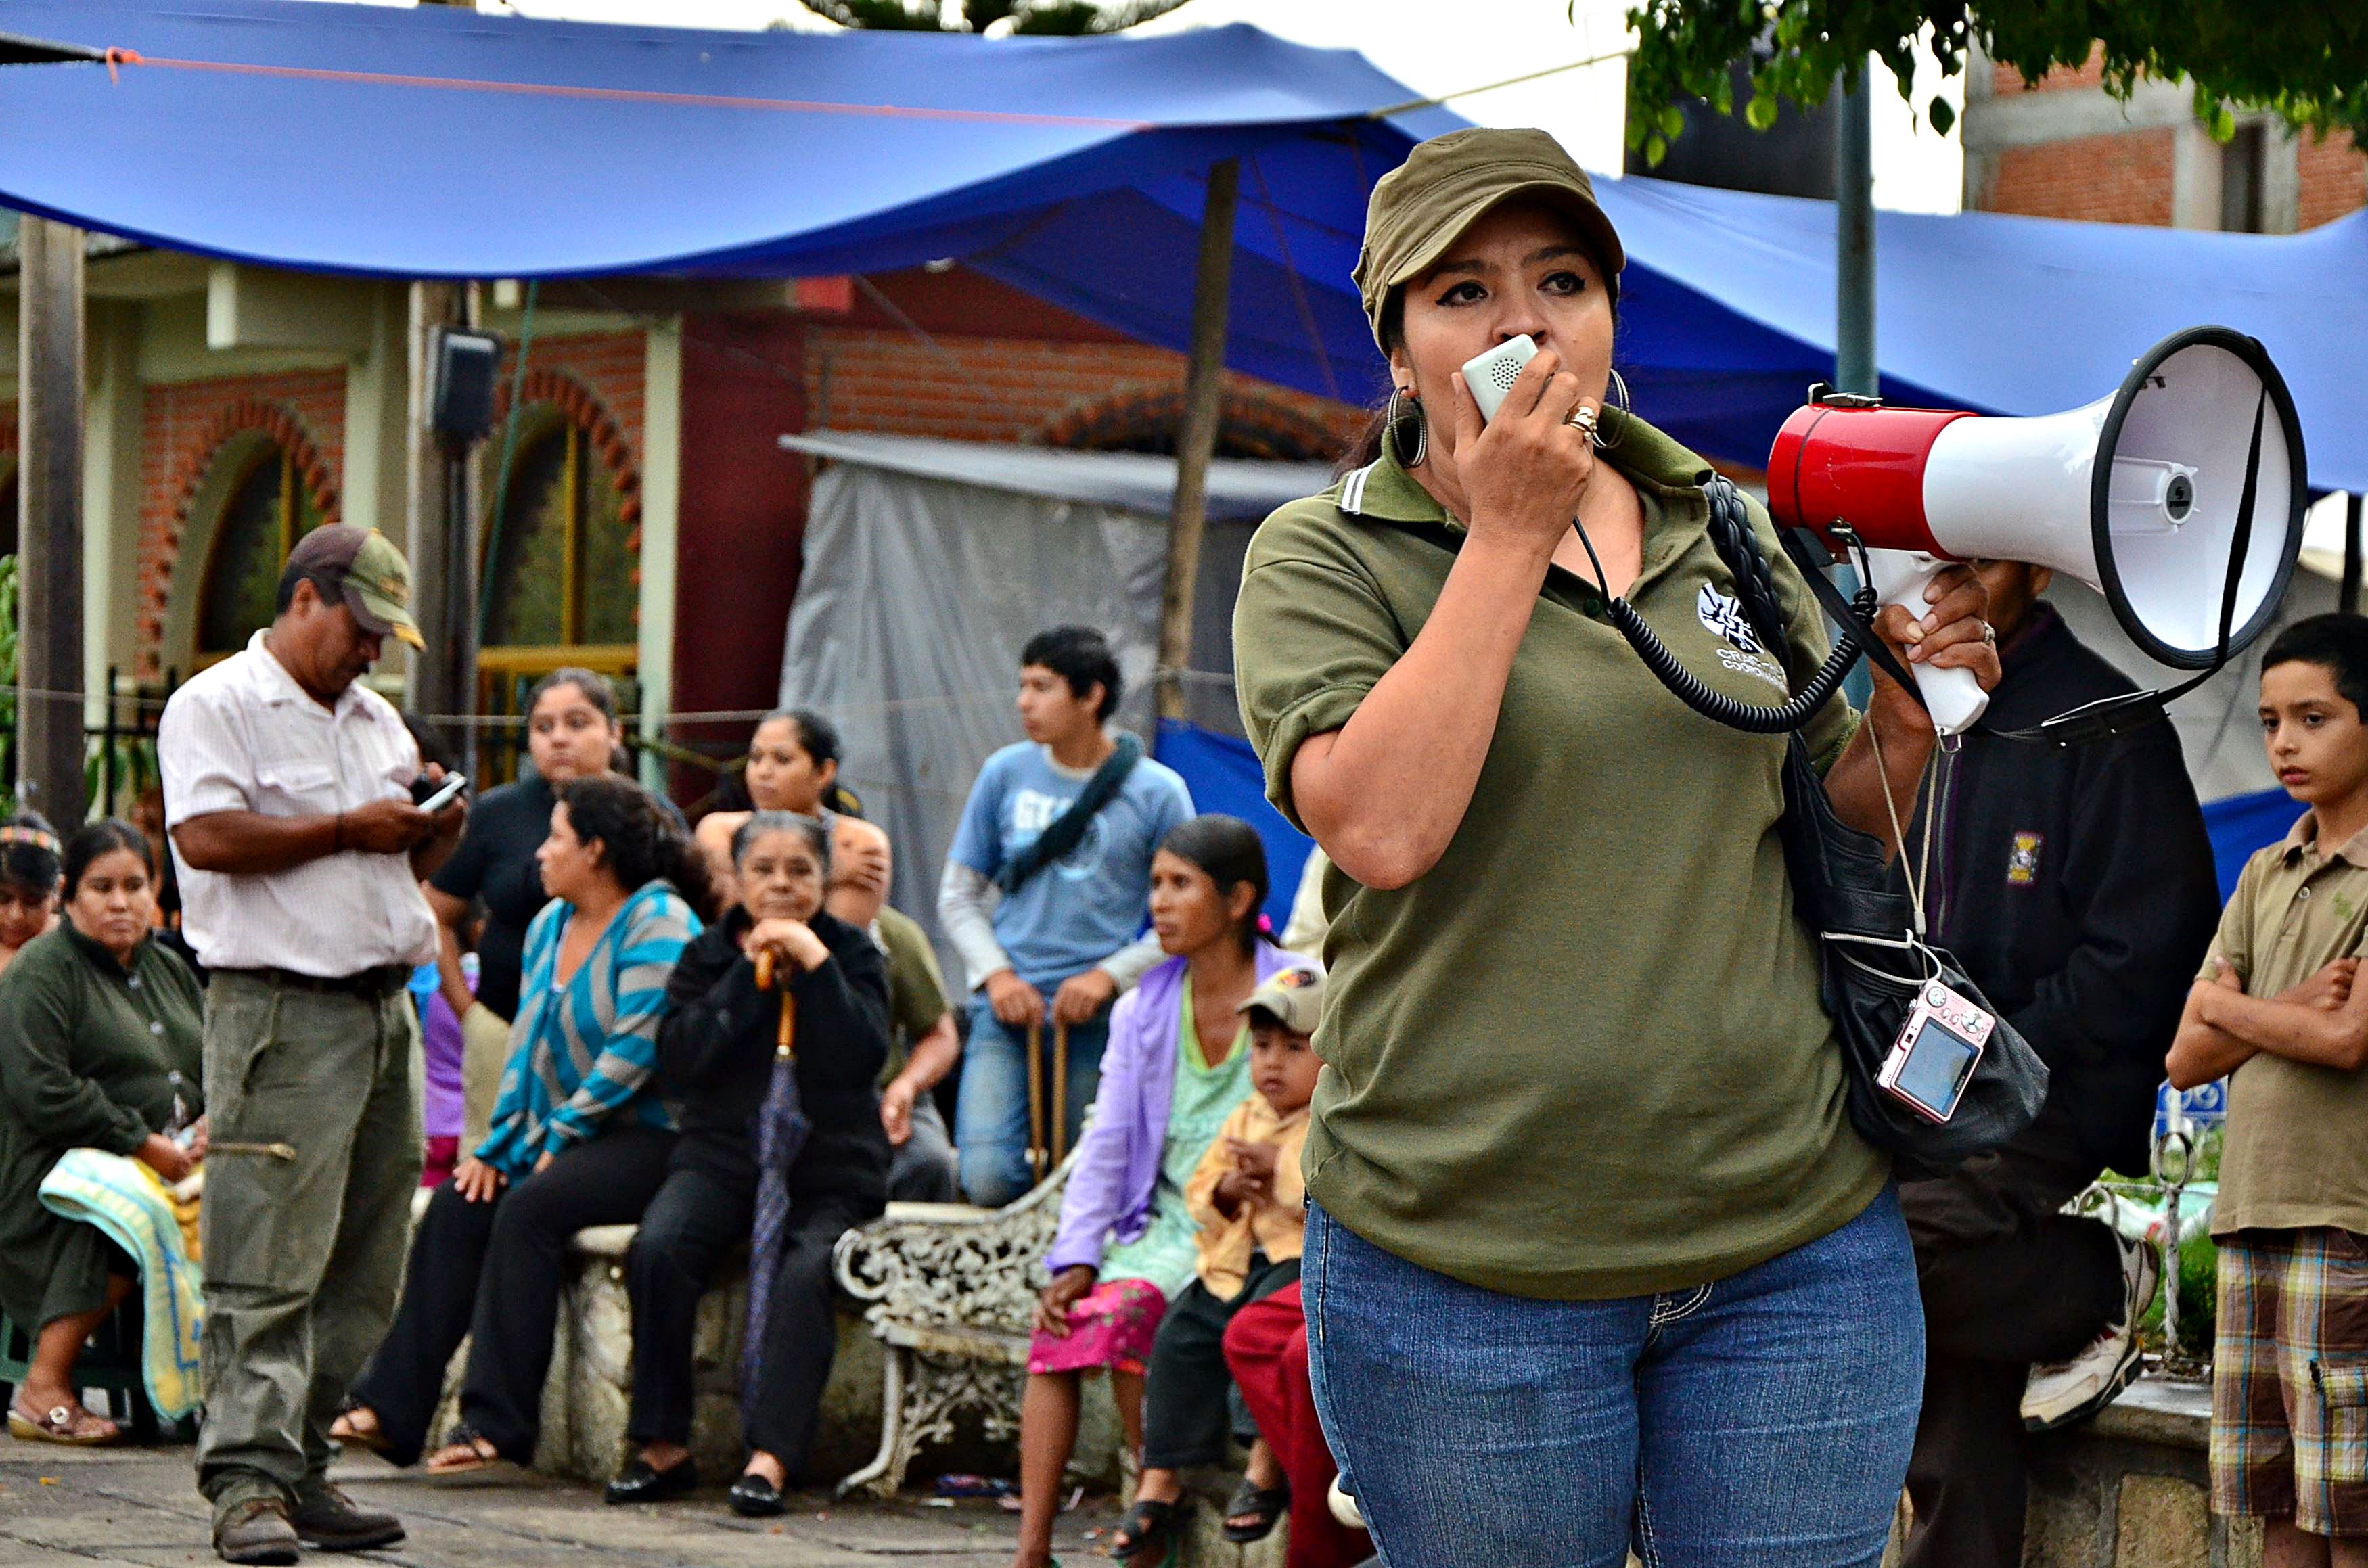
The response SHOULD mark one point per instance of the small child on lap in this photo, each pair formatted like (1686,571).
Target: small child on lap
(1252,1205)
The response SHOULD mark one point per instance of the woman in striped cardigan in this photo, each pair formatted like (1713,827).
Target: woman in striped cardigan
(580,1135)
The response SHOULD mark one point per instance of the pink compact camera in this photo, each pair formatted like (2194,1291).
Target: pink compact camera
(1936,1053)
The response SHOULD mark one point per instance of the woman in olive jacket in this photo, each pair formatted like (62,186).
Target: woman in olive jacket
(718,1053)
(99,1047)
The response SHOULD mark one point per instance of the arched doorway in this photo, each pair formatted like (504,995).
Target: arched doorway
(1250,424)
(560,564)
(262,489)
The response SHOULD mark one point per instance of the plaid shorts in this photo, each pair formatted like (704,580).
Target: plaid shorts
(2289,1380)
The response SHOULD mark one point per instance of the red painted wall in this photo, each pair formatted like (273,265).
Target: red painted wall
(741,522)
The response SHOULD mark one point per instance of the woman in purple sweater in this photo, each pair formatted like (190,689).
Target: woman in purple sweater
(1177,1063)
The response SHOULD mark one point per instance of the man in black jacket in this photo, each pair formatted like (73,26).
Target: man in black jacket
(2075,886)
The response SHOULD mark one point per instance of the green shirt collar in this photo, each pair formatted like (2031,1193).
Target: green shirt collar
(1669,477)
(1385,490)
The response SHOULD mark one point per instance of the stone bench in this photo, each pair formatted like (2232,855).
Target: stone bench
(2130,1488)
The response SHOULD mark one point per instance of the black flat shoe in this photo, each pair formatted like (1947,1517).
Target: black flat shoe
(754,1497)
(642,1484)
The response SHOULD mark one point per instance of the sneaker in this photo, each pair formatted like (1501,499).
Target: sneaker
(255,1531)
(328,1520)
(2061,1392)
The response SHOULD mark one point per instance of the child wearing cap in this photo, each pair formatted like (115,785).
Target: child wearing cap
(1251,1205)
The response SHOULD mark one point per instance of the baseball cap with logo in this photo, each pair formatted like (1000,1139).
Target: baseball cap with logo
(373,574)
(1423,206)
(1292,997)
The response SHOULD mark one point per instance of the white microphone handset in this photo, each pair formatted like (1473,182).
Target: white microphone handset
(1491,375)
(1954,698)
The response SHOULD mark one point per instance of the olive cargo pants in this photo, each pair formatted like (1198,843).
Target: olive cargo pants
(313,1106)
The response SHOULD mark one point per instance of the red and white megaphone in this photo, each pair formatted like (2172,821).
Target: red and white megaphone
(2143,496)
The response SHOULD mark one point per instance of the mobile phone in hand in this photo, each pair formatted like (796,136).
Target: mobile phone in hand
(452,786)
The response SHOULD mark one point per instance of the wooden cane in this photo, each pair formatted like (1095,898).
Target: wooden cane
(785,1037)
(1036,1100)
(1060,1093)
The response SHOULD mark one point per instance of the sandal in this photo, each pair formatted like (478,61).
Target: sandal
(466,1451)
(1149,1530)
(67,1423)
(1254,1511)
(346,1430)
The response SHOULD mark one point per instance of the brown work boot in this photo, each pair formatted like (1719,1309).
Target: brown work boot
(256,1529)
(328,1518)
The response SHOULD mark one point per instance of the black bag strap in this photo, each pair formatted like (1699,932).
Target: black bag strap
(1805,550)
(1068,830)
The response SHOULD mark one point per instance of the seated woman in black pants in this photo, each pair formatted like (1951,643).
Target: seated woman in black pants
(580,1135)
(719,1053)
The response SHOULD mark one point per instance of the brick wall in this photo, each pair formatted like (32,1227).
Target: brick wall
(2334,178)
(996,388)
(2006,81)
(613,368)
(182,425)
(2123,179)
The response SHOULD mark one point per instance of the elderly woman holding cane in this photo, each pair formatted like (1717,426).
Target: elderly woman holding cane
(1580,1169)
(777,1033)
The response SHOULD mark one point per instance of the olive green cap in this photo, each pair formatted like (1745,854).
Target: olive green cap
(1424,205)
(376,578)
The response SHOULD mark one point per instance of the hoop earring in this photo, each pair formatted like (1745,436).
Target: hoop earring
(1619,400)
(1391,418)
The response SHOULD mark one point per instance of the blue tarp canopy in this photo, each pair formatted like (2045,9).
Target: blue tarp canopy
(1728,312)
(429,141)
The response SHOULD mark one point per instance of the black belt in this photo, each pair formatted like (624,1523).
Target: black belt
(370,985)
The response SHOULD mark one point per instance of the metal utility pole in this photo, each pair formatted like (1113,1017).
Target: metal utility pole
(2348,601)
(1196,439)
(439,674)
(1854,364)
(48,498)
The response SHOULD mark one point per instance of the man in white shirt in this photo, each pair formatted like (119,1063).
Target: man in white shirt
(288,797)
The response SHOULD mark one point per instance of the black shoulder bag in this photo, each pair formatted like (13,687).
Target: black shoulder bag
(1872,956)
(1068,830)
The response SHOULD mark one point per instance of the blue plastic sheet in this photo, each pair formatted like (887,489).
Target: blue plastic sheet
(434,142)
(2242,824)
(1225,777)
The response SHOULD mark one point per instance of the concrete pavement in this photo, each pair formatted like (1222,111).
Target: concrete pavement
(113,1507)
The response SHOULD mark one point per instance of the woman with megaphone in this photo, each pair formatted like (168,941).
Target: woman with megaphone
(1581,1177)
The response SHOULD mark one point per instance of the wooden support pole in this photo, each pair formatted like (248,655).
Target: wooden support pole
(1196,439)
(2347,599)
(49,499)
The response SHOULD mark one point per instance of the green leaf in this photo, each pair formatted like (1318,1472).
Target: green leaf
(1761,112)
(1672,122)
(1655,149)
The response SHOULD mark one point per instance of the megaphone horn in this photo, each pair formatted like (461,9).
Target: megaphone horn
(2180,498)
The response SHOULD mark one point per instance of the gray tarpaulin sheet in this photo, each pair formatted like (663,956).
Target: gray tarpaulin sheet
(929,564)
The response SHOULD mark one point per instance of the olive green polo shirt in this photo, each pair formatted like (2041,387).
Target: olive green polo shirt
(1582,1057)
(2295,1148)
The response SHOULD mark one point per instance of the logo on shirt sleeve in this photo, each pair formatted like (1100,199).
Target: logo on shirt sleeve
(2022,860)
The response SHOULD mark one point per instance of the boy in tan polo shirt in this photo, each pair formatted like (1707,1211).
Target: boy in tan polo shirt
(2276,1010)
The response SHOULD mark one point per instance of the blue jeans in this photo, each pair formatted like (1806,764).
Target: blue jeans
(991,1112)
(1763,1420)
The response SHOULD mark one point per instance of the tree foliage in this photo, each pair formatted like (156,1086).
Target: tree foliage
(1068,19)
(2305,61)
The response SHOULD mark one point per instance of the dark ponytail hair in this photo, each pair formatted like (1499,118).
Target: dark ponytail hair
(1231,852)
(94,840)
(642,843)
(29,853)
(818,738)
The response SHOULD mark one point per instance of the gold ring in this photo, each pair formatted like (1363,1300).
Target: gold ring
(1583,417)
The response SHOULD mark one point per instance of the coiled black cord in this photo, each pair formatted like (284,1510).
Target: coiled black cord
(1730,531)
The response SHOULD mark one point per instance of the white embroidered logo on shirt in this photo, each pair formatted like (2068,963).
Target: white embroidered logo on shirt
(1724,619)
